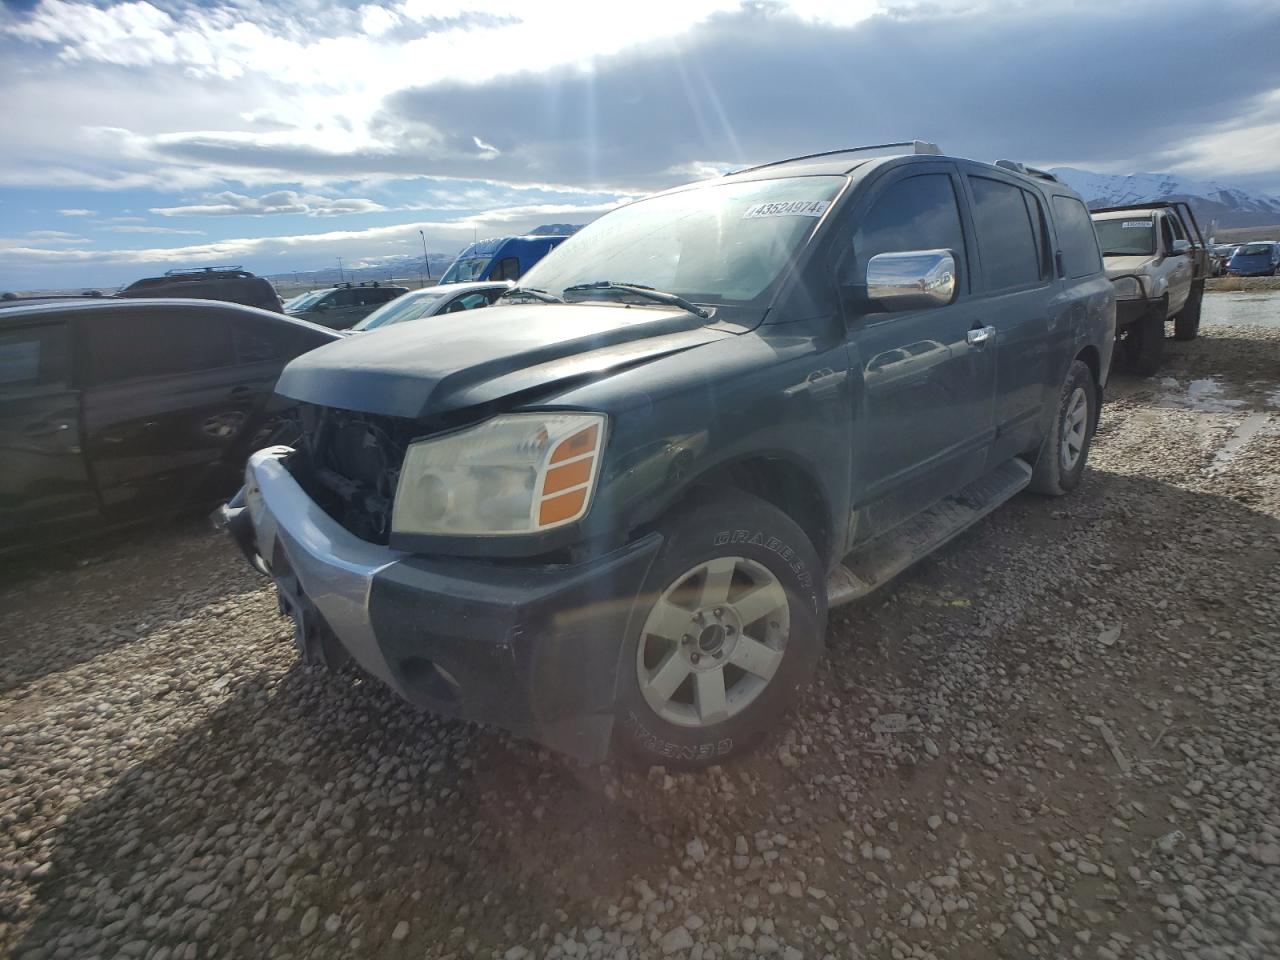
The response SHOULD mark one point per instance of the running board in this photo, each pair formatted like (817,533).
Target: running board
(877,562)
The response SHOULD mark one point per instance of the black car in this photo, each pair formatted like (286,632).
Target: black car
(115,411)
(618,505)
(232,284)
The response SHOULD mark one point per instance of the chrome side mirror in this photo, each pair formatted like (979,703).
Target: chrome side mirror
(1180,247)
(912,280)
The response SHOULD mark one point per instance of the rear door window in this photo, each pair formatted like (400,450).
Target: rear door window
(1077,241)
(1006,236)
(131,347)
(34,356)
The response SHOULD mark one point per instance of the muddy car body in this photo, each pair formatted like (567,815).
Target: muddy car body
(624,516)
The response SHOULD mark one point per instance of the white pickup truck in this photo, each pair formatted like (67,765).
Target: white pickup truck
(1157,260)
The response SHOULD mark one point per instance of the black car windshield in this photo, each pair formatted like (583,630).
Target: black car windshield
(1126,238)
(1254,250)
(411,306)
(721,243)
(465,270)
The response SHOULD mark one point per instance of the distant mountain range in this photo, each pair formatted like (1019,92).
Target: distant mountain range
(401,268)
(1212,201)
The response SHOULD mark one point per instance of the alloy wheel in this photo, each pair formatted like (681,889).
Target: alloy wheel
(1075,425)
(713,641)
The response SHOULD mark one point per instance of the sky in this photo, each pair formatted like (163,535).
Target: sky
(141,136)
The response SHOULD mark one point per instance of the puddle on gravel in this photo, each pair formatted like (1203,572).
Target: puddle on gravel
(1209,395)
(1253,425)
(1206,395)
(1252,307)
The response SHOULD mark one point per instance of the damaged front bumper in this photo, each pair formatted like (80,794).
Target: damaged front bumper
(533,648)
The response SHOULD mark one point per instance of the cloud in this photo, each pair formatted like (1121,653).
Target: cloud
(375,20)
(730,87)
(147,228)
(76,212)
(1246,146)
(54,236)
(23,262)
(229,204)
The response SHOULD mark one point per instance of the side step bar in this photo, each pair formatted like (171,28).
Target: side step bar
(878,561)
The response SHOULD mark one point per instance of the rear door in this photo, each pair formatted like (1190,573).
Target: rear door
(925,421)
(163,402)
(1019,291)
(43,481)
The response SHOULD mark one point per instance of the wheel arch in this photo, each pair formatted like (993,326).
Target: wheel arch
(777,479)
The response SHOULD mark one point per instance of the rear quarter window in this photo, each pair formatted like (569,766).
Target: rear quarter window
(1077,241)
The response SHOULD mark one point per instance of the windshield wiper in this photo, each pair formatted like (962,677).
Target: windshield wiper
(532,292)
(648,293)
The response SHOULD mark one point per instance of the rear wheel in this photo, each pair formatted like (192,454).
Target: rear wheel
(736,609)
(1066,447)
(1186,325)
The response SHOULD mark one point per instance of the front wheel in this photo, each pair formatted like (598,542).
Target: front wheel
(735,610)
(1066,447)
(1145,343)
(1186,325)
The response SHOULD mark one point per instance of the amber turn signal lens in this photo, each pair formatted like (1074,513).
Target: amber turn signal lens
(559,509)
(584,441)
(570,475)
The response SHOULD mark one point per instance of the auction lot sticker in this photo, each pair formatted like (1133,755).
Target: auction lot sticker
(1134,224)
(787,208)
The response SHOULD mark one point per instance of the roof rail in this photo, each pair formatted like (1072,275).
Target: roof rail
(186,271)
(1026,171)
(923,147)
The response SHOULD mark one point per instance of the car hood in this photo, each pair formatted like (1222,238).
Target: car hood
(1116,266)
(423,369)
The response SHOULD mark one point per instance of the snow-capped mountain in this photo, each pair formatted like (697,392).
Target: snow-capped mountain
(1212,201)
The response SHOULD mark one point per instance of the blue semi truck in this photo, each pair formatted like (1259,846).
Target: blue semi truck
(499,258)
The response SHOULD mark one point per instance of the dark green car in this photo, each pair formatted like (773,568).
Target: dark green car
(617,508)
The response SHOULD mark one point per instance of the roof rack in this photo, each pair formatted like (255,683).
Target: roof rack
(923,147)
(1026,171)
(189,271)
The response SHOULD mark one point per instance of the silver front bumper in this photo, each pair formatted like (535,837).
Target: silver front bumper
(334,568)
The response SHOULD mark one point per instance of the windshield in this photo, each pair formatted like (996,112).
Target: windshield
(1254,250)
(1126,238)
(411,306)
(465,270)
(719,243)
(304,301)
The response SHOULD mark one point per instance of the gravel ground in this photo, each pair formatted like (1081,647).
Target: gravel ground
(1058,737)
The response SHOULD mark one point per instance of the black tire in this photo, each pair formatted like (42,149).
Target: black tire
(767,543)
(1053,475)
(1145,344)
(1186,325)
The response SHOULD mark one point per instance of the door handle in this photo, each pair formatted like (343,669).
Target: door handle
(978,336)
(44,429)
(241,390)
